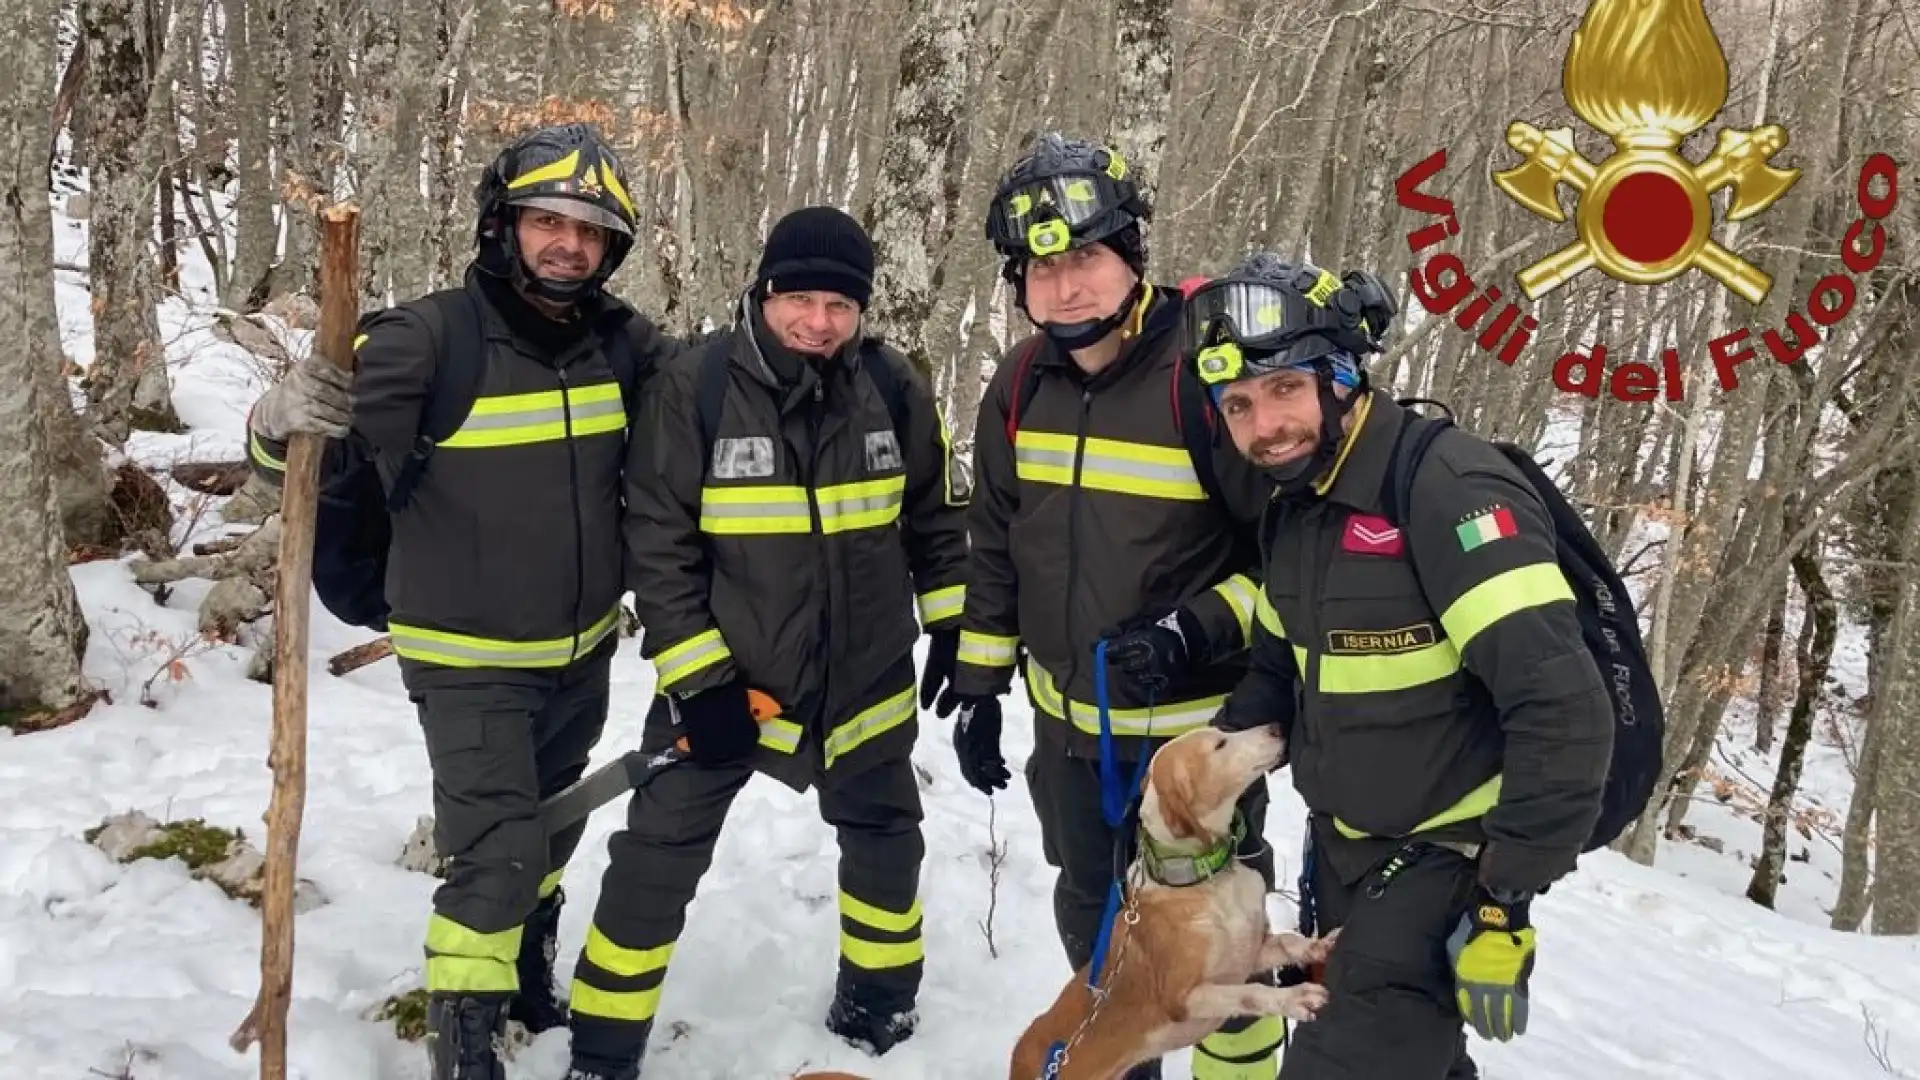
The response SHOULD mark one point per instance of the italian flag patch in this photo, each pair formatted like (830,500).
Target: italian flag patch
(1485,528)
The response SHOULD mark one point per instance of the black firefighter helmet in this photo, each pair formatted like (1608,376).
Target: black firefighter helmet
(568,169)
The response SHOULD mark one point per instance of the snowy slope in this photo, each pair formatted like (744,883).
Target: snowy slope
(138,970)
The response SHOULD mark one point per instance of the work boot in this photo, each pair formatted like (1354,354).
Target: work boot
(1146,1070)
(536,1007)
(463,1035)
(870,1019)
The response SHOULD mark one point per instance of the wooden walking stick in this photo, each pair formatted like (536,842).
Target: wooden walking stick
(339,312)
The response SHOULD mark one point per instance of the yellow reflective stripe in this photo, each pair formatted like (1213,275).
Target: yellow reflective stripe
(1232,1055)
(622,961)
(1500,596)
(551,882)
(697,653)
(1269,618)
(544,416)
(558,170)
(866,504)
(874,956)
(258,450)
(1378,672)
(941,604)
(1241,594)
(986,650)
(1471,805)
(1126,468)
(868,724)
(464,651)
(584,999)
(879,918)
(1159,721)
(460,958)
(611,181)
(781,735)
(359,340)
(755,509)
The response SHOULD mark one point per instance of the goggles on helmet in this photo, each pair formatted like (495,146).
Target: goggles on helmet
(1231,326)
(1045,217)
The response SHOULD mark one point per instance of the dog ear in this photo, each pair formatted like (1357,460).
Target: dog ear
(1176,804)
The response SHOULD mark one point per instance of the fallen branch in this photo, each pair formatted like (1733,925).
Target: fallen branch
(211,477)
(360,656)
(252,556)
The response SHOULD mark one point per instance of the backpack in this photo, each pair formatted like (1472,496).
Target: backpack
(1193,413)
(360,491)
(1609,625)
(710,390)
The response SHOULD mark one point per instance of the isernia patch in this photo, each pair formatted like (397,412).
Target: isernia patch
(741,459)
(883,451)
(1379,642)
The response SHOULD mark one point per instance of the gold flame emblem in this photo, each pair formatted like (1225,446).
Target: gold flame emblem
(1647,73)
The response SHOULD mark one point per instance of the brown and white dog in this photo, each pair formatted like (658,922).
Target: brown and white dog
(1180,969)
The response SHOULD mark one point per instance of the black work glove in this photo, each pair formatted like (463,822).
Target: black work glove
(943,651)
(976,742)
(1152,652)
(718,723)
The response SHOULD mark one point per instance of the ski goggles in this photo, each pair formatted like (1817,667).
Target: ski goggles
(1229,327)
(1043,217)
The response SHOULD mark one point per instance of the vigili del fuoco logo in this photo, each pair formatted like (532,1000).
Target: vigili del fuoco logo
(1647,73)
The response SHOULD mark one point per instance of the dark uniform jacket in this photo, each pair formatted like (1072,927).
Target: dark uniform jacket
(1470,711)
(508,554)
(1092,515)
(794,555)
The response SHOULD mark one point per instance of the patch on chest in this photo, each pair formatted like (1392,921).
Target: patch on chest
(883,451)
(1370,535)
(742,459)
(1380,642)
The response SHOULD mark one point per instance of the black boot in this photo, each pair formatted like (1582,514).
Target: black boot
(535,1007)
(582,1072)
(1146,1070)
(871,1019)
(463,1031)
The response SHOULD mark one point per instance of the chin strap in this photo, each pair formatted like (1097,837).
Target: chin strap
(1311,472)
(1081,335)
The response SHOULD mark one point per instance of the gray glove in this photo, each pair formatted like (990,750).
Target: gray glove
(316,397)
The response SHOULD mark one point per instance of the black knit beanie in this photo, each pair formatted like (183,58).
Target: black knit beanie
(817,247)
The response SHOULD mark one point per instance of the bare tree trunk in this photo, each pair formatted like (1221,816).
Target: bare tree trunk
(1769,702)
(916,201)
(1850,906)
(254,198)
(127,382)
(81,480)
(1896,773)
(42,631)
(1143,60)
(1821,625)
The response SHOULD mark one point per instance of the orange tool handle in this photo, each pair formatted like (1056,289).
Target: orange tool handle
(759,703)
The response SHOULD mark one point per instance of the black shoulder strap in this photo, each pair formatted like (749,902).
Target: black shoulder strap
(1026,383)
(618,347)
(1193,412)
(710,395)
(454,323)
(1403,465)
(887,381)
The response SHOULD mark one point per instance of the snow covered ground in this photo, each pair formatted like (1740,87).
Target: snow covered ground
(138,970)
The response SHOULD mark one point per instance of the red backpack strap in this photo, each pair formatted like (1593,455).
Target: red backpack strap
(1022,386)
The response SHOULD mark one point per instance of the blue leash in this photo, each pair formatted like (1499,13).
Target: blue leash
(1114,802)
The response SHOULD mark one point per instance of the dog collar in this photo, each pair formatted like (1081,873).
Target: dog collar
(1179,871)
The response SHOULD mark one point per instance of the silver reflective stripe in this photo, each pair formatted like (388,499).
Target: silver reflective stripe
(888,714)
(1030,455)
(1119,466)
(855,504)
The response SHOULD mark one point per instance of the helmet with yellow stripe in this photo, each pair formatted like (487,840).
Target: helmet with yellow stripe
(567,169)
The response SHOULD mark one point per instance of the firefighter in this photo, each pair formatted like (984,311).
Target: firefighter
(789,559)
(1449,731)
(504,575)
(1103,512)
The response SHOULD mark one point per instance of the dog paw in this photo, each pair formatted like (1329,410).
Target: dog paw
(1306,1001)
